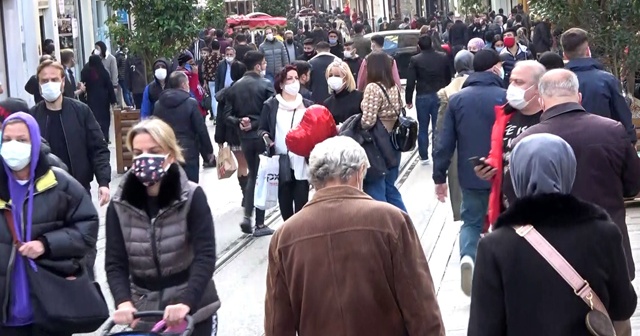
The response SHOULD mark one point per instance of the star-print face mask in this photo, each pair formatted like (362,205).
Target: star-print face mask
(149,168)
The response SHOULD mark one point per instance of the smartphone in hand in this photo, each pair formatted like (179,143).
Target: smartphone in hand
(477,161)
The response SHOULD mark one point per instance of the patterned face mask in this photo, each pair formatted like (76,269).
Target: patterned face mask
(149,168)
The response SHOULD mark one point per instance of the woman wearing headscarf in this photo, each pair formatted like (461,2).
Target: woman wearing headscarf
(100,93)
(53,218)
(463,63)
(511,276)
(475,44)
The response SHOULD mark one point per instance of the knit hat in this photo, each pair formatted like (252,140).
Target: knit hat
(185,57)
(485,59)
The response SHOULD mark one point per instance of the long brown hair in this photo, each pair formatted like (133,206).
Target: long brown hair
(379,69)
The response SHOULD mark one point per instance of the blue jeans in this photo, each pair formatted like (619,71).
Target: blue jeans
(473,212)
(384,189)
(214,102)
(126,93)
(427,108)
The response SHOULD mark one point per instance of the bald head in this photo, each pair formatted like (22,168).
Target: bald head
(525,76)
(559,86)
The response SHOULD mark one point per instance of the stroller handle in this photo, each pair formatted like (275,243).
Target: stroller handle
(151,313)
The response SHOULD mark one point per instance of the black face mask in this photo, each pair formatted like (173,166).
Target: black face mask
(290,40)
(308,53)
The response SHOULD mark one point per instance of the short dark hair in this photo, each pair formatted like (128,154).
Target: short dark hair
(281,77)
(379,69)
(177,79)
(322,45)
(349,43)
(358,28)
(308,41)
(66,55)
(219,33)
(575,42)
(518,18)
(239,68)
(252,58)
(207,49)
(551,60)
(241,38)
(47,42)
(424,42)
(303,67)
(378,39)
(500,10)
(215,45)
(49,49)
(332,31)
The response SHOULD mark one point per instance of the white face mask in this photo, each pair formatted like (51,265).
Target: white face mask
(335,83)
(347,54)
(161,73)
(515,97)
(270,37)
(16,155)
(230,59)
(51,91)
(292,88)
(97,52)
(263,72)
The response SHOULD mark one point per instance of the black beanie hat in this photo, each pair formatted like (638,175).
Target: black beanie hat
(485,59)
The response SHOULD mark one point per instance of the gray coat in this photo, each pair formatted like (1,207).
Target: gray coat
(276,55)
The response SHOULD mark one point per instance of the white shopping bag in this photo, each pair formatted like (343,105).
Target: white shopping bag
(266,193)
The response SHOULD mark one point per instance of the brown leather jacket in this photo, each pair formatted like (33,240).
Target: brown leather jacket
(348,265)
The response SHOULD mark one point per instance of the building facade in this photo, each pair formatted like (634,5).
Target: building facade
(26,24)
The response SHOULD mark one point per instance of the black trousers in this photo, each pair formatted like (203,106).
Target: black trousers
(90,258)
(292,195)
(137,99)
(252,148)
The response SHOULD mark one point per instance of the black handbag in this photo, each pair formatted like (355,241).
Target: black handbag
(404,135)
(62,304)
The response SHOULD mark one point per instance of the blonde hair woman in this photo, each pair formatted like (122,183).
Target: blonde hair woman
(160,244)
(345,99)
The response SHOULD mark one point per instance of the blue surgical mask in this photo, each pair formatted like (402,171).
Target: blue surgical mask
(499,49)
(187,66)
(332,40)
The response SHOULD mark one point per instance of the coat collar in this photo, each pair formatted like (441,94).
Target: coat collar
(550,210)
(173,188)
(559,109)
(337,193)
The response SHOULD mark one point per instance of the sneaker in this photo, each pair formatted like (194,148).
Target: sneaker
(425,162)
(245,226)
(262,231)
(466,271)
(206,164)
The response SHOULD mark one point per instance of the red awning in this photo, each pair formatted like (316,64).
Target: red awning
(256,21)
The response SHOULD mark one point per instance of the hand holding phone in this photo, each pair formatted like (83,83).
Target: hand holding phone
(477,161)
(482,169)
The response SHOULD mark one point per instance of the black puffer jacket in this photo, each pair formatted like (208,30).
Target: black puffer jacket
(181,112)
(64,219)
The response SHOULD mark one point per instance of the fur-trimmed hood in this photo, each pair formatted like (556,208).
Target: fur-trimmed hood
(550,210)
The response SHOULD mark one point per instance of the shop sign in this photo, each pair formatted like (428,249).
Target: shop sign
(123,17)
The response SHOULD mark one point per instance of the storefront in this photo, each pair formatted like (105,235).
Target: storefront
(69,30)
(101,12)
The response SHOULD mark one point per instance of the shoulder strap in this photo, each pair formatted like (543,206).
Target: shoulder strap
(580,286)
(388,99)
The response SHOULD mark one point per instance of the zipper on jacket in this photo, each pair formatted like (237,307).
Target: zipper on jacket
(66,142)
(154,247)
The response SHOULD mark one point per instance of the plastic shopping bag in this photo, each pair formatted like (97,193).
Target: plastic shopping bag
(266,193)
(226,164)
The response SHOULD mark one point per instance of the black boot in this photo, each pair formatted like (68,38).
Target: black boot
(243,180)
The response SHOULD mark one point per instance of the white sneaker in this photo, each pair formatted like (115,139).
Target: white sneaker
(466,272)
(425,162)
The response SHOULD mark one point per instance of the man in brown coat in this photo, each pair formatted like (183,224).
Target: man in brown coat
(346,264)
(608,164)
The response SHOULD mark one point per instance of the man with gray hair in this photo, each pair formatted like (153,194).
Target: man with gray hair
(327,260)
(608,164)
(521,112)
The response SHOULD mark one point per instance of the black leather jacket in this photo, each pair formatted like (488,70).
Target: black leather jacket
(245,98)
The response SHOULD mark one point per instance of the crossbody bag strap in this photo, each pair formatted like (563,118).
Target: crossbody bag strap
(580,286)
(12,228)
(387,96)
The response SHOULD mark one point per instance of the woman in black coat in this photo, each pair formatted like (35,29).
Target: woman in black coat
(345,100)
(100,93)
(515,290)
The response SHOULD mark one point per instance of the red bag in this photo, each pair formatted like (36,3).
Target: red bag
(316,126)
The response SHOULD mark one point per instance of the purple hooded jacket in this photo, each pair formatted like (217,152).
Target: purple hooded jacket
(20,310)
